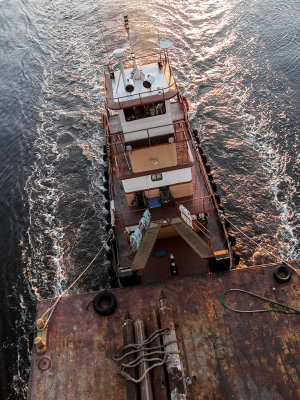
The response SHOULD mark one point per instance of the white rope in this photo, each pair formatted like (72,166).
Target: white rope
(258,244)
(145,352)
(162,361)
(68,288)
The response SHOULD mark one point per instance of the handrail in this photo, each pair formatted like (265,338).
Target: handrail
(154,127)
(208,186)
(140,97)
(120,217)
(181,130)
(128,59)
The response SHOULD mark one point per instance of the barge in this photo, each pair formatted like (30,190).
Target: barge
(167,332)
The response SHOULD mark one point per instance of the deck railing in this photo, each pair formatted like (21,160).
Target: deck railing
(119,149)
(176,129)
(208,184)
(196,205)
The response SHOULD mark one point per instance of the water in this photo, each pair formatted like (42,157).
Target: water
(238,63)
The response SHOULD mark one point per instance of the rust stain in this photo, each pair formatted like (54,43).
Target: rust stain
(225,355)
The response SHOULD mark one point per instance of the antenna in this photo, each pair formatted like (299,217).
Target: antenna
(165,46)
(128,83)
(119,53)
(126,24)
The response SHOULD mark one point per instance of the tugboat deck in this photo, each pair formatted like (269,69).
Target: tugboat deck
(127,215)
(225,355)
(199,202)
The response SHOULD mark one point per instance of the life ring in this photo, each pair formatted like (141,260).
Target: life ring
(103,120)
(107,309)
(184,103)
(282,274)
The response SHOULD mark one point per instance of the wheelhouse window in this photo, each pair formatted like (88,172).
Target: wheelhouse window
(144,111)
(156,177)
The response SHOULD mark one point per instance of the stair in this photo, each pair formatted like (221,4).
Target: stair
(191,237)
(146,246)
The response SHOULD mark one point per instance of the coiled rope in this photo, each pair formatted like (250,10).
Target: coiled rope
(144,357)
(259,297)
(256,295)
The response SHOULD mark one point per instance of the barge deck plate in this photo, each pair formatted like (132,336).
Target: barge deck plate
(226,355)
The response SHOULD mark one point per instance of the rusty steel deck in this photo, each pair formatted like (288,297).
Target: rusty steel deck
(225,355)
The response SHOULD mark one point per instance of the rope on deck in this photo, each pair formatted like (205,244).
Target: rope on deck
(259,297)
(148,351)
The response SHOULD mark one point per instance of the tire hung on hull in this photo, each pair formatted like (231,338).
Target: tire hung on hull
(236,258)
(221,207)
(232,240)
(214,185)
(200,150)
(204,158)
(196,136)
(207,167)
(106,175)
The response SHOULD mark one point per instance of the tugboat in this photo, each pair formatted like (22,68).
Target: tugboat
(168,333)
(165,215)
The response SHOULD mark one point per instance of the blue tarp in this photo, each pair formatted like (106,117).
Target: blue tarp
(154,202)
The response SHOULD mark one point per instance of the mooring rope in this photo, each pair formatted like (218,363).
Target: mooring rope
(51,308)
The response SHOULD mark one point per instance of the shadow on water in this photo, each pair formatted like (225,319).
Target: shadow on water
(238,68)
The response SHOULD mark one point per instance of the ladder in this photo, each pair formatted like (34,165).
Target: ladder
(191,237)
(146,246)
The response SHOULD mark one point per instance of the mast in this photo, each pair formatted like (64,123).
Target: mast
(126,24)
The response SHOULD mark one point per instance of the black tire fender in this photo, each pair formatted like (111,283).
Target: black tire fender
(200,149)
(282,274)
(204,158)
(107,309)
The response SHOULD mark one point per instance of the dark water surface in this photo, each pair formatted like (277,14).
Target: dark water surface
(238,63)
